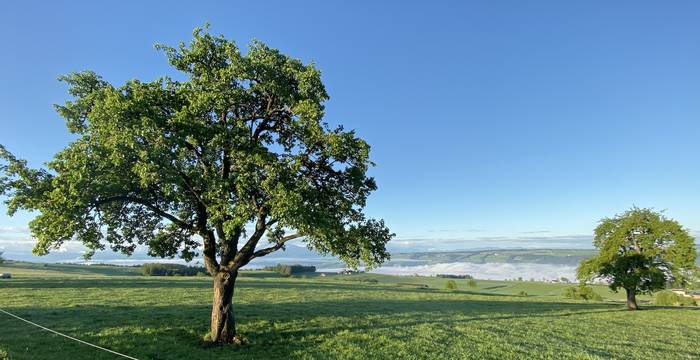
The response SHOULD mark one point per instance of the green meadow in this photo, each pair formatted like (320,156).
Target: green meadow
(362,316)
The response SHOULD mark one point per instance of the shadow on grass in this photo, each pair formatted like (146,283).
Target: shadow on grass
(346,312)
(198,282)
(274,329)
(253,281)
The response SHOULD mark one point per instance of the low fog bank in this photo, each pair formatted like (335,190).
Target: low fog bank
(487,271)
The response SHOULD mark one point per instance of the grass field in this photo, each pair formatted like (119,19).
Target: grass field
(335,317)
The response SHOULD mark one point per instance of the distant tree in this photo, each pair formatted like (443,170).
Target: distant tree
(2,260)
(639,251)
(669,298)
(160,269)
(471,283)
(451,276)
(289,270)
(451,285)
(582,292)
(237,150)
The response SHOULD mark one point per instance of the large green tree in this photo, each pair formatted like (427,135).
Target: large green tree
(236,151)
(640,251)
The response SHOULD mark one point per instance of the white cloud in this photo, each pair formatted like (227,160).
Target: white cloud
(14,230)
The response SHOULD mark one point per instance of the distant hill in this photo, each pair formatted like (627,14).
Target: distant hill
(533,256)
(511,256)
(295,254)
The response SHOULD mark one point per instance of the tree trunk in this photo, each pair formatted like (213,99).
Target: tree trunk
(631,299)
(223,323)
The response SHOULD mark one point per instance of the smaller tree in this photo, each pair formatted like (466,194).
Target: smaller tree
(669,298)
(582,292)
(1,258)
(639,251)
(451,285)
(471,283)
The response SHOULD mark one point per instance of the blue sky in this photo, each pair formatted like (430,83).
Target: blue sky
(492,123)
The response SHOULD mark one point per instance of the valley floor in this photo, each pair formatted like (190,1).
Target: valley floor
(333,317)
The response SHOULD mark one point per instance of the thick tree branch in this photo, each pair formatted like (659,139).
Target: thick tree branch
(125,198)
(200,157)
(209,241)
(190,187)
(229,247)
(244,255)
(210,252)
(277,246)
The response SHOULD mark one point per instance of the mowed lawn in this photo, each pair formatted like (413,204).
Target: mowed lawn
(334,317)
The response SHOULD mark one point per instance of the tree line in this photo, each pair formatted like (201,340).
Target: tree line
(291,269)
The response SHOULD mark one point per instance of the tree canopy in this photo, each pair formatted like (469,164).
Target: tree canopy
(240,142)
(640,251)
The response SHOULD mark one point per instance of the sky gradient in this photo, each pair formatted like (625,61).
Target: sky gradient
(493,124)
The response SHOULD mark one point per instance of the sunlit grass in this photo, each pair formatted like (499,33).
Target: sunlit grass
(333,317)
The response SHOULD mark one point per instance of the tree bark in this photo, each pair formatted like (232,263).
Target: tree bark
(631,299)
(223,322)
